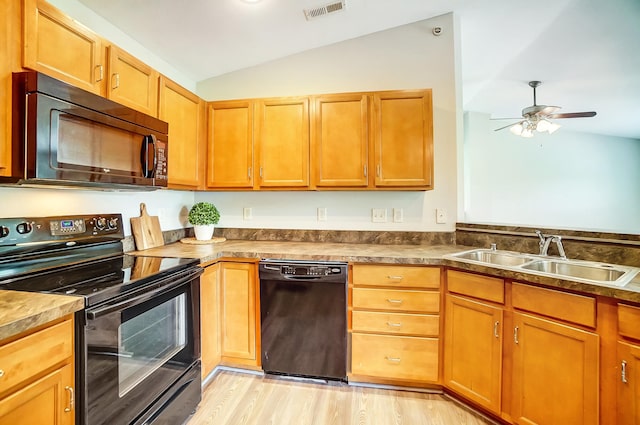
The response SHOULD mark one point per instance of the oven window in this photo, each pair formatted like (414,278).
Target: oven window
(147,341)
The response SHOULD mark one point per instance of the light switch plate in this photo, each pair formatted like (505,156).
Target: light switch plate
(247,214)
(322,214)
(441,215)
(398,215)
(379,215)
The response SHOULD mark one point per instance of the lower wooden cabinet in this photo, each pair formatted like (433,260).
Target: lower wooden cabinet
(37,383)
(210,319)
(238,307)
(395,324)
(555,373)
(628,384)
(473,350)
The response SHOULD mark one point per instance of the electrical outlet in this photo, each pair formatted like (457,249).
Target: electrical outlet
(247,214)
(379,215)
(398,215)
(322,214)
(441,215)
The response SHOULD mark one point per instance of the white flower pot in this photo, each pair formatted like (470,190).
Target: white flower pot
(203,232)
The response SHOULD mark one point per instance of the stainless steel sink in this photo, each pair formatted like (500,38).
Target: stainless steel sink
(502,258)
(595,271)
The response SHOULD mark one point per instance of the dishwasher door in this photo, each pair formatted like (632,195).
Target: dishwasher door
(303,311)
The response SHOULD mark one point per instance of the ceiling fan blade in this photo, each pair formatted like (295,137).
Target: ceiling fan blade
(506,126)
(573,115)
(547,110)
(509,118)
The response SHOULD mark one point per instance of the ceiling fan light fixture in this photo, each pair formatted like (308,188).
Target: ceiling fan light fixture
(516,129)
(527,132)
(543,125)
(553,127)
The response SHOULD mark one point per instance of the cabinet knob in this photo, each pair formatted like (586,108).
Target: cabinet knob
(1,373)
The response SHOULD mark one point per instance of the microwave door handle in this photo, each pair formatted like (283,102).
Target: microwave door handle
(147,141)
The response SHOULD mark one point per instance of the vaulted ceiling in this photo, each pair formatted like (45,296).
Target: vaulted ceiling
(586,52)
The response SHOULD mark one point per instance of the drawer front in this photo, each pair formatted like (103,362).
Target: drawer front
(395,357)
(400,276)
(28,356)
(572,308)
(396,300)
(628,320)
(396,323)
(477,286)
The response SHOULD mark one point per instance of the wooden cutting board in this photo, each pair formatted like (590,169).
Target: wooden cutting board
(146,230)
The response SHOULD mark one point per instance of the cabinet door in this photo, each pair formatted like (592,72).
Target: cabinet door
(283,139)
(340,140)
(132,82)
(184,111)
(46,401)
(628,384)
(10,61)
(238,307)
(473,351)
(230,140)
(403,138)
(210,319)
(555,373)
(62,48)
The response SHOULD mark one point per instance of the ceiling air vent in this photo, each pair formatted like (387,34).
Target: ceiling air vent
(319,11)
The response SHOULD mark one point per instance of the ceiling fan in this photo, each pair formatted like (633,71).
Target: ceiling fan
(537,117)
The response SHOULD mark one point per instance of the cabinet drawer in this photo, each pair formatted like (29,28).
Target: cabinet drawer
(573,308)
(32,354)
(396,323)
(396,300)
(400,276)
(477,286)
(394,357)
(628,320)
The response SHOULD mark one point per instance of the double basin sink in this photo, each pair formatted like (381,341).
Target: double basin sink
(583,271)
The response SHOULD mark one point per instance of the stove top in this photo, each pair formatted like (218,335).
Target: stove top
(76,255)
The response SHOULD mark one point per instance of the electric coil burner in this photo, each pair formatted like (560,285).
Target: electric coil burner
(138,338)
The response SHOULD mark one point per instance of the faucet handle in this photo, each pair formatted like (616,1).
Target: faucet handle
(494,247)
(540,235)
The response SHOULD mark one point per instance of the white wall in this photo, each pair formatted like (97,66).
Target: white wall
(406,57)
(564,180)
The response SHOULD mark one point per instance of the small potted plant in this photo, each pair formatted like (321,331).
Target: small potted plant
(203,216)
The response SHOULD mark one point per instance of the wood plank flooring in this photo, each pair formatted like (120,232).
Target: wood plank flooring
(234,398)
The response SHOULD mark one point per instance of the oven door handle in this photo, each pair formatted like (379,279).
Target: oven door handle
(145,296)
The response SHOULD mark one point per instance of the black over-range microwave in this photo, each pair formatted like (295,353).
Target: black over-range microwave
(66,136)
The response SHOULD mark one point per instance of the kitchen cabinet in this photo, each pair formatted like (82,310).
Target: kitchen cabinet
(403,138)
(61,47)
(282,134)
(132,82)
(10,61)
(238,306)
(395,324)
(230,145)
(628,365)
(210,319)
(37,385)
(185,113)
(340,140)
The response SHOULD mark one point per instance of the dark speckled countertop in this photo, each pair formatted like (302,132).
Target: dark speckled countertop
(378,253)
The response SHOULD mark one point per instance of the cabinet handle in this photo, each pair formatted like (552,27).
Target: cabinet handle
(1,373)
(623,372)
(394,325)
(392,359)
(260,172)
(378,170)
(365,170)
(71,399)
(495,329)
(100,73)
(395,277)
(515,335)
(115,77)
(393,301)
(249,172)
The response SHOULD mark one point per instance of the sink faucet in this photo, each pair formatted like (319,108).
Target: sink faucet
(546,240)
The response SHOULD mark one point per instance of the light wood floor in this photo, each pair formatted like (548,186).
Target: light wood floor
(234,398)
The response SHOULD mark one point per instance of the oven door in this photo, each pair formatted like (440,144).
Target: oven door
(137,348)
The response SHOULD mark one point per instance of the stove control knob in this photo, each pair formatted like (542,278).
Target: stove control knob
(113,223)
(101,223)
(24,228)
(4,231)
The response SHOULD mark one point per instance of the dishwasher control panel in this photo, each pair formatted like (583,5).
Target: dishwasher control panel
(310,270)
(300,269)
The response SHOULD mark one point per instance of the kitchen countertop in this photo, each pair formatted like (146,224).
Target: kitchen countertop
(21,311)
(376,253)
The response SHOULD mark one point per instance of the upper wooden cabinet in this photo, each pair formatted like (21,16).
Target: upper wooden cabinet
(185,113)
(340,140)
(10,61)
(132,82)
(403,138)
(230,145)
(282,133)
(62,48)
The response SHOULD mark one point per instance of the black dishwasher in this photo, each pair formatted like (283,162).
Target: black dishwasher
(303,311)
